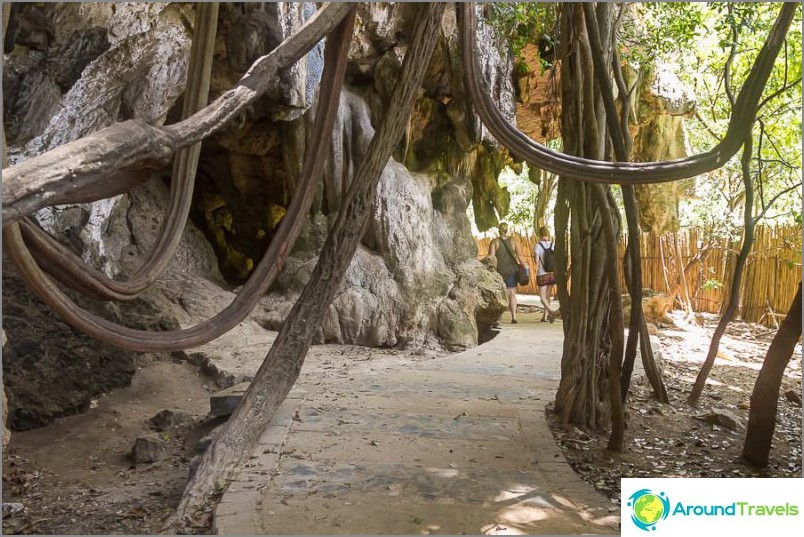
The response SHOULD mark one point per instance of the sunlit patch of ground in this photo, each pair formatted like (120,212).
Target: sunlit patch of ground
(668,440)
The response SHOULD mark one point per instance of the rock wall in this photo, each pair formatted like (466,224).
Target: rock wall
(656,125)
(538,93)
(663,104)
(415,279)
(74,68)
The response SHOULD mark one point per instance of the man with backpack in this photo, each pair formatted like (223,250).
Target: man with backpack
(544,255)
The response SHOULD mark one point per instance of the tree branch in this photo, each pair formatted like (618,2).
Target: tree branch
(732,54)
(521,146)
(70,269)
(706,125)
(778,92)
(34,184)
(776,197)
(264,274)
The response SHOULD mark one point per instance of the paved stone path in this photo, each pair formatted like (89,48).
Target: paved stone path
(452,445)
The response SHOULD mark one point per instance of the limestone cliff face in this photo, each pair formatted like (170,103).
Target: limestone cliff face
(663,104)
(538,91)
(75,68)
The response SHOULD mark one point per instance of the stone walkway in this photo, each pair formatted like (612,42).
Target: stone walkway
(453,445)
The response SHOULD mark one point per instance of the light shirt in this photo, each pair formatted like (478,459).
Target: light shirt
(539,252)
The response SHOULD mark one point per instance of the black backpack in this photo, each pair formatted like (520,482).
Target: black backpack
(548,258)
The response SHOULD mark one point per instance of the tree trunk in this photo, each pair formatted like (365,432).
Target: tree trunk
(765,397)
(281,367)
(77,165)
(546,184)
(682,282)
(734,291)
(621,144)
(589,391)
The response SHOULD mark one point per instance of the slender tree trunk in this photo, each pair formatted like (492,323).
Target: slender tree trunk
(765,397)
(736,281)
(546,183)
(283,363)
(682,278)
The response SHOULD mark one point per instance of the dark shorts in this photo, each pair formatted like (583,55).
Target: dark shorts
(510,281)
(545,280)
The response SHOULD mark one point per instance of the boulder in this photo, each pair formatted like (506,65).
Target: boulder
(169,418)
(148,448)
(661,135)
(50,370)
(655,307)
(722,418)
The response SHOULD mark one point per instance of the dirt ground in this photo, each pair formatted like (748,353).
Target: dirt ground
(75,475)
(671,440)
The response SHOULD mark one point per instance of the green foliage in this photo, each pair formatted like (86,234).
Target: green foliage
(706,42)
(698,39)
(525,22)
(711,285)
(523,199)
(659,30)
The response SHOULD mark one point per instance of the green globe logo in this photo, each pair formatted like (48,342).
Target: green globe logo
(648,508)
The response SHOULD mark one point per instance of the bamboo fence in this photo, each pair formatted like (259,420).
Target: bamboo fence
(770,280)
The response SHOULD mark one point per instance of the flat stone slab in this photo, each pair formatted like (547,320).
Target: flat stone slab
(377,449)
(401,500)
(441,387)
(224,402)
(405,423)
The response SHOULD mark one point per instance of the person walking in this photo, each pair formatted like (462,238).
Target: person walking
(508,260)
(544,255)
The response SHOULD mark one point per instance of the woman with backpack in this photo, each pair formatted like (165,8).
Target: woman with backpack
(544,255)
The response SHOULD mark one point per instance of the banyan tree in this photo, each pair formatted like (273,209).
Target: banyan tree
(597,358)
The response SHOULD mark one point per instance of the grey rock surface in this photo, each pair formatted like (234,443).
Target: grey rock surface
(147,448)
(169,418)
(225,402)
